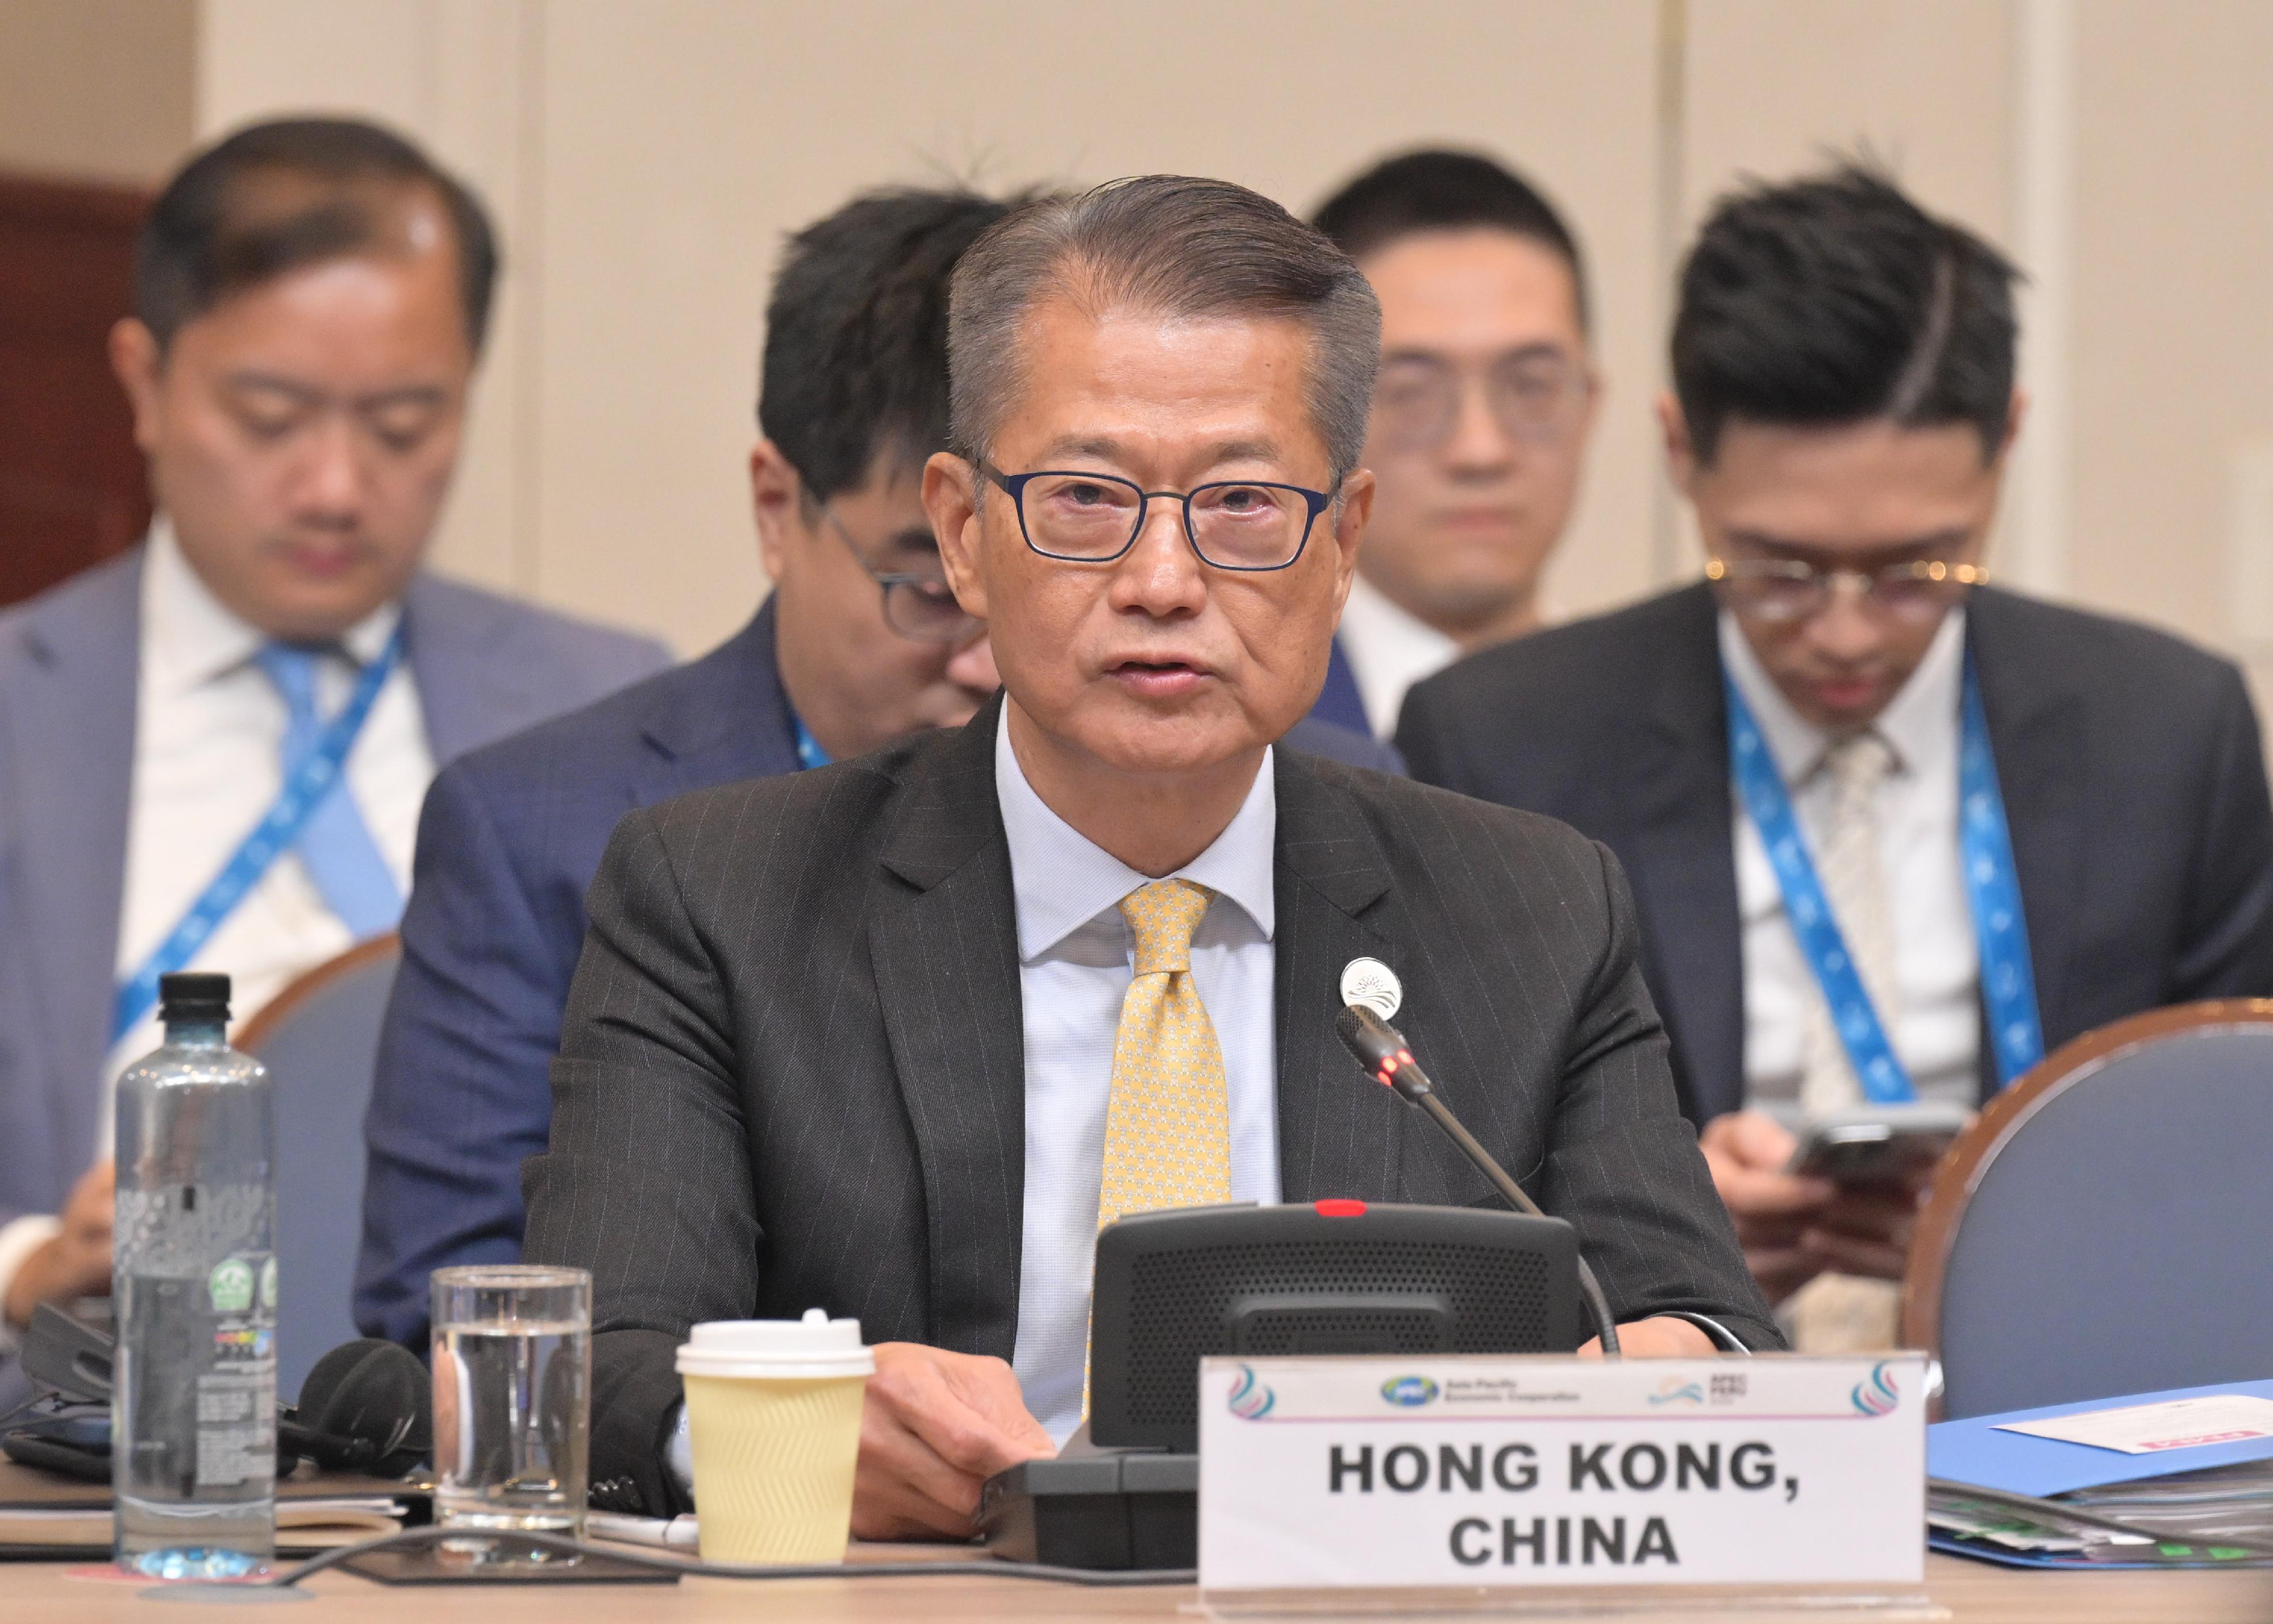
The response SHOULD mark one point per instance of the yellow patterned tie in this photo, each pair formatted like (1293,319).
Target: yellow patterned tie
(1168,1120)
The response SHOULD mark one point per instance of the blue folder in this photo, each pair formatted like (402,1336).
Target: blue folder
(1974,1451)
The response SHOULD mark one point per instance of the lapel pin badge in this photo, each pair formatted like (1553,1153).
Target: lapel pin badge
(1373,984)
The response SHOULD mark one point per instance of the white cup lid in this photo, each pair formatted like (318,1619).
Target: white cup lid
(816,1346)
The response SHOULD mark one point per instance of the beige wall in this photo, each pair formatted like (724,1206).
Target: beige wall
(645,161)
(2172,513)
(1774,86)
(96,89)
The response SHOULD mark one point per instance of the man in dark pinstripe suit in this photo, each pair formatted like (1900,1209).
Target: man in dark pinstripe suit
(868,1037)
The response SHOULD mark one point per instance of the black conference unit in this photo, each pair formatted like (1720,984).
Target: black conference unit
(1333,1276)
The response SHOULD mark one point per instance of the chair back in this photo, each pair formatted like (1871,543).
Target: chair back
(319,1040)
(2105,1227)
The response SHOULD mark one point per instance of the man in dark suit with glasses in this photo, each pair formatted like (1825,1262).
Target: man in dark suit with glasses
(1894,834)
(859,643)
(894,1038)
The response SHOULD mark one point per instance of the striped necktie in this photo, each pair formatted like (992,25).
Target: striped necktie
(1854,883)
(1835,1312)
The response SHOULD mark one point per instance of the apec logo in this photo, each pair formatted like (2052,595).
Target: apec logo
(1409,1392)
(1251,1400)
(1878,1395)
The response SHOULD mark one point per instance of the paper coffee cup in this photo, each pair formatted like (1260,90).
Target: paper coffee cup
(773,1410)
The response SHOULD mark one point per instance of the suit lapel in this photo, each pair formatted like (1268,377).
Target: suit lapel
(70,728)
(2036,733)
(1338,1134)
(734,723)
(944,939)
(1682,853)
(470,690)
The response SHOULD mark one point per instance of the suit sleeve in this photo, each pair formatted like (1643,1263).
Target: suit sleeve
(2226,950)
(1622,1164)
(459,1098)
(647,1179)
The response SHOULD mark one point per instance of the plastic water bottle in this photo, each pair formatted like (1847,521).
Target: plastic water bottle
(193,1405)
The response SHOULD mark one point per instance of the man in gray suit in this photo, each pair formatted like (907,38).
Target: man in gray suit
(893,1038)
(310,300)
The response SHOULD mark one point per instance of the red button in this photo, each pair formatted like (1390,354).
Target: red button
(1341,1207)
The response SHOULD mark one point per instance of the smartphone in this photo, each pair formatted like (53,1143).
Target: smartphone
(1879,1144)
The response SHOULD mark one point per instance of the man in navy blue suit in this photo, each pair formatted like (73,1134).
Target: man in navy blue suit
(859,644)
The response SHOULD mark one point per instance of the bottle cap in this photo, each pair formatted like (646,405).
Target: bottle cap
(193,995)
(790,1350)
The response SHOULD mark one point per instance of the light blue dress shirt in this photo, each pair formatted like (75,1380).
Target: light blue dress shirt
(1076,957)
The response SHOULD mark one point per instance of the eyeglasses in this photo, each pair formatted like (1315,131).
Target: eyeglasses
(1784,591)
(1094,518)
(1536,399)
(921,608)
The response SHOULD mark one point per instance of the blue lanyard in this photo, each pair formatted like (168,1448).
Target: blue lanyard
(304,789)
(2008,975)
(2009,982)
(809,752)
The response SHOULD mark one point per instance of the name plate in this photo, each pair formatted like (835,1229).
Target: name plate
(1365,1473)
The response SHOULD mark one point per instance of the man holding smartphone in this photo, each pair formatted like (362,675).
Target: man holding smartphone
(1894,835)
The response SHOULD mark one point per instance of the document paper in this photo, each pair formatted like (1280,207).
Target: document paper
(2151,1429)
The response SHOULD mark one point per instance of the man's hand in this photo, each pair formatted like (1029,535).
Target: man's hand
(75,1262)
(1773,1210)
(935,1426)
(1664,1337)
(1793,1229)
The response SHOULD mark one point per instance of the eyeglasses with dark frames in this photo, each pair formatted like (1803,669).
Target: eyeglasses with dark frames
(1233,524)
(920,608)
(1784,591)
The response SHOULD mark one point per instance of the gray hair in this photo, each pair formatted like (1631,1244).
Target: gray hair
(1173,245)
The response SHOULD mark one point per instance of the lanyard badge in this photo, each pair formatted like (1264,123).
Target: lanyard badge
(2008,985)
(305,786)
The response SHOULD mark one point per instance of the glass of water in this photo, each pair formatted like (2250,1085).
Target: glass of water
(513,1384)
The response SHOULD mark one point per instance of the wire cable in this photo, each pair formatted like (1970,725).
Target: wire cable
(414,1538)
(1598,1307)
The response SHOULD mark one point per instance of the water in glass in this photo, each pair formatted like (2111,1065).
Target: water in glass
(512,1398)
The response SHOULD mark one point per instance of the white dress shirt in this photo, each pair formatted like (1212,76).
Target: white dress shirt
(1076,957)
(1389,649)
(208,727)
(1937,1031)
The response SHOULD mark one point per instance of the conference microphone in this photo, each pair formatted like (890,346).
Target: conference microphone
(366,1406)
(1381,1048)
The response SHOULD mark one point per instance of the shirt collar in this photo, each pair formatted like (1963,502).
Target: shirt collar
(1918,725)
(1390,649)
(1062,880)
(192,636)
